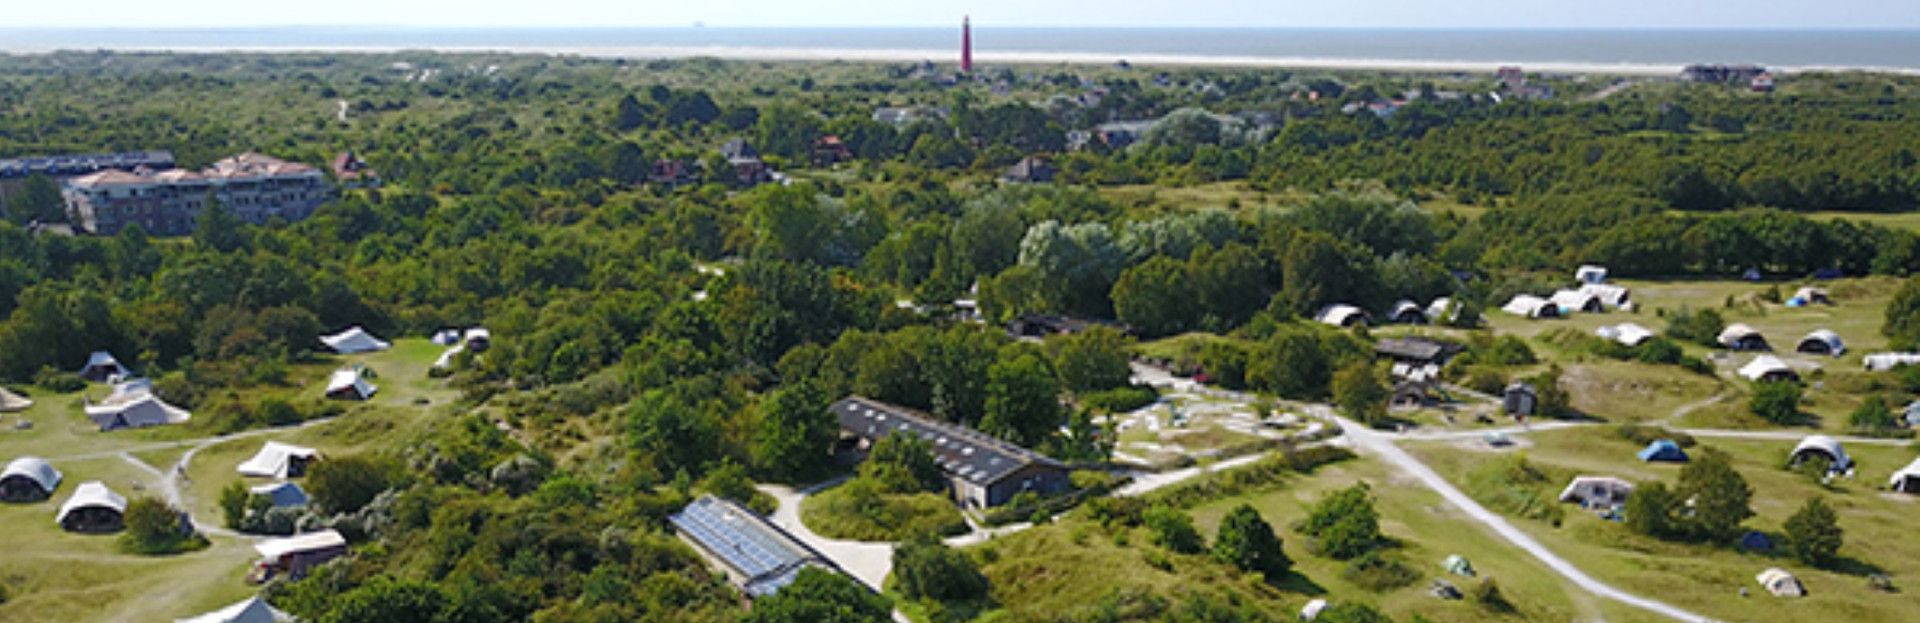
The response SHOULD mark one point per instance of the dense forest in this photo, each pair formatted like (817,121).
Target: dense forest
(707,326)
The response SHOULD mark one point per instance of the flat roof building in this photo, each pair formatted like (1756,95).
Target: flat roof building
(255,187)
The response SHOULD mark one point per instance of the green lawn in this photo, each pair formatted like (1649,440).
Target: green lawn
(836,514)
(1707,578)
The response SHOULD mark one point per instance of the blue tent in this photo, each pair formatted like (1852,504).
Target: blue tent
(1663,450)
(1756,541)
(1829,273)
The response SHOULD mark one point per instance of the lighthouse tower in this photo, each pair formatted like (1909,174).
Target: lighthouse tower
(966,44)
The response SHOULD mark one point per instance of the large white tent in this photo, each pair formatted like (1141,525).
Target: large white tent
(253,610)
(28,479)
(103,367)
(1626,333)
(1531,306)
(1342,316)
(90,503)
(1767,369)
(354,340)
(1580,301)
(278,460)
(1907,480)
(10,402)
(134,405)
(1881,362)
(1822,445)
(347,384)
(1739,336)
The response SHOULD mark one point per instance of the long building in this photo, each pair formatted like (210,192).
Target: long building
(255,187)
(82,164)
(757,556)
(985,471)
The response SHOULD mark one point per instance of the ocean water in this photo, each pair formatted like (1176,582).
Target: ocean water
(1893,49)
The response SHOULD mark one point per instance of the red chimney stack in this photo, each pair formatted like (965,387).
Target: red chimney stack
(966,44)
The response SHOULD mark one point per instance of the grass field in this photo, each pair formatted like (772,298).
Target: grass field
(1707,579)
(1225,195)
(55,576)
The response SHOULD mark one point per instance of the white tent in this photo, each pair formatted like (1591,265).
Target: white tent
(274,549)
(253,610)
(1823,445)
(134,405)
(1609,295)
(1440,308)
(446,337)
(102,367)
(1822,342)
(1313,609)
(354,340)
(10,402)
(91,494)
(1739,336)
(1597,491)
(278,460)
(477,339)
(1810,295)
(1590,274)
(1408,312)
(282,493)
(28,479)
(1531,306)
(1570,301)
(1626,333)
(1907,480)
(1768,368)
(1881,362)
(1780,583)
(347,384)
(1342,316)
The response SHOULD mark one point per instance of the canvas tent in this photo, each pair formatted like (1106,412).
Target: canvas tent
(1609,295)
(10,402)
(1768,369)
(1576,301)
(279,460)
(1739,336)
(294,555)
(477,339)
(354,340)
(1626,333)
(1823,446)
(446,337)
(1342,316)
(281,493)
(1821,342)
(1313,609)
(1591,274)
(102,367)
(28,479)
(1442,309)
(1881,362)
(1458,565)
(134,405)
(1663,450)
(1756,541)
(1780,583)
(347,384)
(253,610)
(1529,306)
(1810,295)
(92,508)
(1597,491)
(1907,480)
(1408,312)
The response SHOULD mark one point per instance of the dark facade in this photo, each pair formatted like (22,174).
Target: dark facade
(984,471)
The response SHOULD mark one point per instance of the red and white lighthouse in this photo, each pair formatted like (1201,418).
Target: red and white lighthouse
(966,44)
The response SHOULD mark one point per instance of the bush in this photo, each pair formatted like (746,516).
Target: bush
(1873,415)
(154,529)
(59,382)
(928,569)
(1378,573)
(233,504)
(277,412)
(1514,486)
(1487,594)
(1247,542)
(860,510)
(1776,402)
(1173,530)
(1120,399)
(344,484)
(1814,535)
(1345,524)
(1700,327)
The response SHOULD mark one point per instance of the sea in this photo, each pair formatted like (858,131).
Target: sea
(1626,50)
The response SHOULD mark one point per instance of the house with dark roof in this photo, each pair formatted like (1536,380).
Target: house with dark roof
(353,172)
(1030,170)
(984,471)
(1416,350)
(830,150)
(756,555)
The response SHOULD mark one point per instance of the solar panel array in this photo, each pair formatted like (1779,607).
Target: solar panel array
(740,539)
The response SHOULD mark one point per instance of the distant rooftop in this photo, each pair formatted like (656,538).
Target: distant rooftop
(81,164)
(971,455)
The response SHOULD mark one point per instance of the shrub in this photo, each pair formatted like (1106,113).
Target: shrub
(1120,399)
(1650,510)
(1514,486)
(1173,530)
(277,412)
(1345,524)
(860,510)
(1776,402)
(1378,573)
(1487,594)
(344,484)
(1247,542)
(1813,533)
(1873,415)
(233,504)
(59,382)
(928,569)
(1700,327)
(154,528)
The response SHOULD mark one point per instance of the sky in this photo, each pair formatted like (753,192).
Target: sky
(1665,14)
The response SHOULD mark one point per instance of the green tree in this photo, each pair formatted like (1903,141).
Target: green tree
(1091,360)
(1650,510)
(1345,524)
(670,435)
(1173,529)
(1361,392)
(794,433)
(344,484)
(1247,542)
(903,463)
(1777,402)
(787,131)
(1872,415)
(217,228)
(628,113)
(1023,400)
(928,569)
(1720,496)
(153,527)
(1155,297)
(36,199)
(1813,533)
(385,599)
(233,503)
(1351,612)
(820,596)
(1902,324)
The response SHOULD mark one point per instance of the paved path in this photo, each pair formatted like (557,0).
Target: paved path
(869,562)
(1382,446)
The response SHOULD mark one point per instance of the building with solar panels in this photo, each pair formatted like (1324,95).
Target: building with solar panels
(984,470)
(758,556)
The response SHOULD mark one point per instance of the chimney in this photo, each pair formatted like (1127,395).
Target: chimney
(966,44)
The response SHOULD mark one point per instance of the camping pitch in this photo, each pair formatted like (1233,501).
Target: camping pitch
(134,405)
(279,460)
